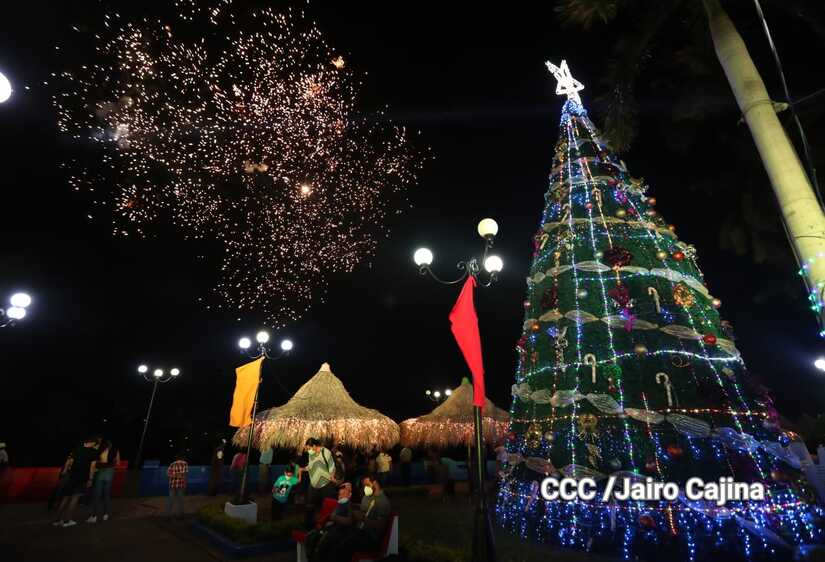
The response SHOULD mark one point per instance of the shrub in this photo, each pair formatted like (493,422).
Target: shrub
(241,532)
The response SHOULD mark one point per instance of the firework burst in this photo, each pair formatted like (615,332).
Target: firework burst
(248,138)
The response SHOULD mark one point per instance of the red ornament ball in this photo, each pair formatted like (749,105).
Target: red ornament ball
(588,205)
(651,201)
(709,339)
(678,256)
(647,522)
(535,326)
(675,451)
(779,476)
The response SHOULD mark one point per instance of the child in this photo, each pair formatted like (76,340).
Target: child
(177,484)
(281,491)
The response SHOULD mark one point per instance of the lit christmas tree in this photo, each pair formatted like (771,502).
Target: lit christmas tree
(626,369)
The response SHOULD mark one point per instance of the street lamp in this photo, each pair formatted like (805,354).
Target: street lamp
(157,376)
(245,343)
(437,395)
(820,363)
(17,311)
(483,544)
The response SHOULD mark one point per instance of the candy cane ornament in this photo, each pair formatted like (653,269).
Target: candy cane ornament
(652,291)
(590,359)
(664,380)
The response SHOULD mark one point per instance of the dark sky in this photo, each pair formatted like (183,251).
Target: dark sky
(472,80)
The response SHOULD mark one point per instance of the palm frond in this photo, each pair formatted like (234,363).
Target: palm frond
(585,13)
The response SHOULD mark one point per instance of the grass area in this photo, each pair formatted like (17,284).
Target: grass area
(436,531)
(241,532)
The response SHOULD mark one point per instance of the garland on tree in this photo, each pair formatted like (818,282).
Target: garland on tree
(625,368)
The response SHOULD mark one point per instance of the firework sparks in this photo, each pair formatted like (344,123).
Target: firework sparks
(249,138)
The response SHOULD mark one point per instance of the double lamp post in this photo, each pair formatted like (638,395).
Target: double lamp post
(483,544)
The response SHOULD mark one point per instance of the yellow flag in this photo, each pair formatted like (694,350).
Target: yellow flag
(248,377)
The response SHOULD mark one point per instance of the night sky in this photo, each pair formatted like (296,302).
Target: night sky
(473,81)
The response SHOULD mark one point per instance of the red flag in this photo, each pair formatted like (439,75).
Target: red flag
(465,329)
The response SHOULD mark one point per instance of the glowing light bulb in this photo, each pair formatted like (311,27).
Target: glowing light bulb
(20,300)
(174,372)
(493,264)
(487,228)
(143,369)
(244,343)
(158,373)
(286,345)
(15,312)
(5,88)
(262,336)
(423,256)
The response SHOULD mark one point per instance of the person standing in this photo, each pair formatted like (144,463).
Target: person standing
(108,458)
(264,470)
(62,486)
(236,469)
(383,465)
(81,467)
(321,470)
(282,491)
(216,476)
(4,459)
(406,465)
(177,474)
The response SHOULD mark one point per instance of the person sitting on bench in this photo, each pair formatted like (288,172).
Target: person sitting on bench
(370,523)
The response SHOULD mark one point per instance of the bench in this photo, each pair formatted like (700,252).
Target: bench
(389,544)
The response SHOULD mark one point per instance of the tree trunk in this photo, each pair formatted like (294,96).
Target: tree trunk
(797,201)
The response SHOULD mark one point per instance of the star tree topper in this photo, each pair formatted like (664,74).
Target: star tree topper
(566,83)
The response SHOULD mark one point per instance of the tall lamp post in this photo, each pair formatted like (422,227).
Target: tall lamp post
(17,311)
(483,543)
(157,376)
(262,338)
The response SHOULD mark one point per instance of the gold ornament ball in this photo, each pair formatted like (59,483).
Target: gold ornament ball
(640,349)
(621,213)
(671,227)
(716,303)
(651,200)
(535,326)
(549,437)
(662,255)
(533,435)
(651,212)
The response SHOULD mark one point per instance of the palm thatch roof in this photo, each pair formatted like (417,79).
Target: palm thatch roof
(321,408)
(451,423)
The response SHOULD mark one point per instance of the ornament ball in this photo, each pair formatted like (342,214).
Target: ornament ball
(535,326)
(651,200)
(671,227)
(549,437)
(640,349)
(647,522)
(716,303)
(651,212)
(581,293)
(675,451)
(678,256)
(598,255)
(709,339)
(588,206)
(526,304)
(621,213)
(662,255)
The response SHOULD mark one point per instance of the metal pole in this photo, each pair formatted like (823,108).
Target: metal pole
(484,549)
(242,495)
(139,456)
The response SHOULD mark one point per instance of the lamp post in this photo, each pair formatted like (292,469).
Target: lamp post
(17,311)
(483,543)
(437,395)
(262,338)
(157,376)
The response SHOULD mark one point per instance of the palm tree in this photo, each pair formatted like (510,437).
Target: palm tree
(800,208)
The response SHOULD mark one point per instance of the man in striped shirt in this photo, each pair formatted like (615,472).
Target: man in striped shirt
(322,478)
(176,473)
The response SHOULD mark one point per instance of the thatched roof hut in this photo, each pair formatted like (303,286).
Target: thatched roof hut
(321,408)
(451,423)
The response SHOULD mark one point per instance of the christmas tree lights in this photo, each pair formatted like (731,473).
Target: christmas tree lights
(626,369)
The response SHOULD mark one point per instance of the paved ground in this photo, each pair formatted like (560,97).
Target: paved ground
(138,532)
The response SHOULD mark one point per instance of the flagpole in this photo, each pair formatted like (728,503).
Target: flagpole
(242,493)
(483,548)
